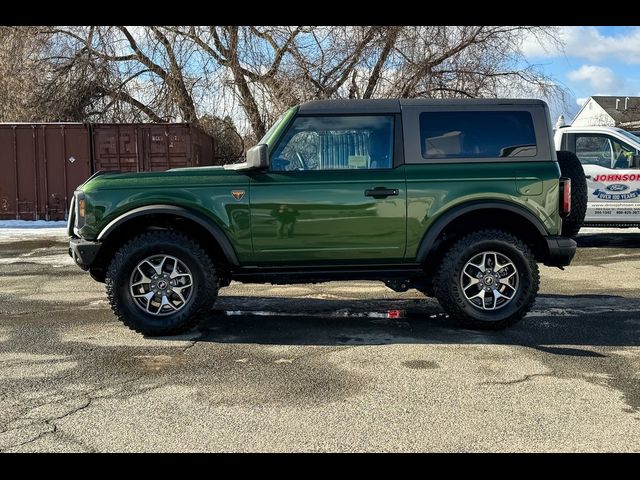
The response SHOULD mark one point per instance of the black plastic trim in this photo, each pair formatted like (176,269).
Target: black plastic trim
(314,274)
(394,105)
(350,106)
(561,251)
(214,230)
(447,217)
(398,141)
(83,251)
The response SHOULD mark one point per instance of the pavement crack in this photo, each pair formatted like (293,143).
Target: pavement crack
(37,437)
(90,395)
(50,423)
(527,377)
(192,344)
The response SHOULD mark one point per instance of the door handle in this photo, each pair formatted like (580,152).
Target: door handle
(587,176)
(381,192)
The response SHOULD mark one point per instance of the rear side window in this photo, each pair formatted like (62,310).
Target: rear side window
(498,134)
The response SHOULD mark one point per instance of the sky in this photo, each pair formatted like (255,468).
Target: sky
(594,61)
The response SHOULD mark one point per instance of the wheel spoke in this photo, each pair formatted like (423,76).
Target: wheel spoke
(165,301)
(504,265)
(481,266)
(164,259)
(513,291)
(479,295)
(494,257)
(183,275)
(178,292)
(146,295)
(505,280)
(496,296)
(473,281)
(473,278)
(174,271)
(149,296)
(144,280)
(155,269)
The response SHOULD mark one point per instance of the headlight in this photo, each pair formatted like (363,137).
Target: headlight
(80,209)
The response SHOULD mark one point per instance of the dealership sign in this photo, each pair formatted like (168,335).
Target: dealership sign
(617,187)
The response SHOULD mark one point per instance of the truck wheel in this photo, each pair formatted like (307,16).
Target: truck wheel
(161,282)
(487,280)
(571,167)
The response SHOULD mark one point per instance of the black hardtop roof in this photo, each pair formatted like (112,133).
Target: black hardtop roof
(394,105)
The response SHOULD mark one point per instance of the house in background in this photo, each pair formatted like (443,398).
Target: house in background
(623,112)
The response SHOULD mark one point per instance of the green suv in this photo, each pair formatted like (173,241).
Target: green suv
(459,199)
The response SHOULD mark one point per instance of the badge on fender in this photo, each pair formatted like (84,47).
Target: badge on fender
(237,194)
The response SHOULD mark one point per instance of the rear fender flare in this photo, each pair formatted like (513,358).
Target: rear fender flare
(430,237)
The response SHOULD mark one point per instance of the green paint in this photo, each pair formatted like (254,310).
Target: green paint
(306,217)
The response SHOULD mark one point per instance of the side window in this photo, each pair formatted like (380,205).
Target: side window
(477,134)
(594,150)
(334,142)
(622,154)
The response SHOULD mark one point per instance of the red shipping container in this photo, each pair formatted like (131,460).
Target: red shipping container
(40,166)
(150,147)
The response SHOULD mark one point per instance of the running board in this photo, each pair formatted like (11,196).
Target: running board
(282,276)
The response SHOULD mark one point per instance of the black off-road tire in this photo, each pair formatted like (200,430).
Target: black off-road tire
(571,167)
(427,290)
(448,289)
(172,243)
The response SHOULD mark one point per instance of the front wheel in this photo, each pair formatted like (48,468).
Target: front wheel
(487,280)
(161,282)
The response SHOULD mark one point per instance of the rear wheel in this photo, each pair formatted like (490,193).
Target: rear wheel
(161,282)
(487,280)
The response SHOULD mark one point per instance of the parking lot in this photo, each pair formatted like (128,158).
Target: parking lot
(343,366)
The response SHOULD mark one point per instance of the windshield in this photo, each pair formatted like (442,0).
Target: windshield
(274,132)
(629,135)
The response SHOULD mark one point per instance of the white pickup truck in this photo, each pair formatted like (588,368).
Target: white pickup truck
(610,159)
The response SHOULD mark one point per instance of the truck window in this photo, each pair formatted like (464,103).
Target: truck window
(476,134)
(334,143)
(622,154)
(594,150)
(603,150)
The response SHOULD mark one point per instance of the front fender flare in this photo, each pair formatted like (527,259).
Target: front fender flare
(211,227)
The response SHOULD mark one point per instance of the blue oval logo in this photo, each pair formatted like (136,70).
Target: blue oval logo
(617,187)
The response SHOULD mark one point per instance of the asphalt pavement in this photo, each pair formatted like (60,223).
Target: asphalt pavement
(342,366)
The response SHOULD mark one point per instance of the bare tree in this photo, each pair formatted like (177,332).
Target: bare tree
(251,74)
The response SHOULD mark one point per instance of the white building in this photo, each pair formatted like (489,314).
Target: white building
(623,112)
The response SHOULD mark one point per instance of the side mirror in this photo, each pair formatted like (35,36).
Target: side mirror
(635,161)
(258,157)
